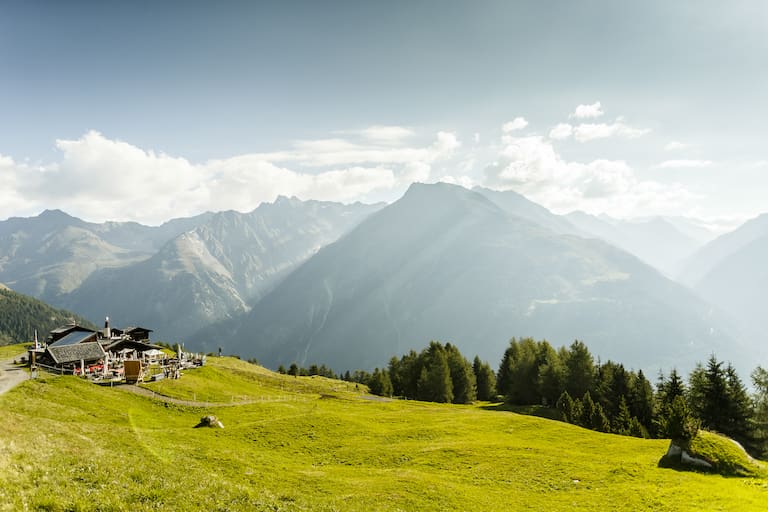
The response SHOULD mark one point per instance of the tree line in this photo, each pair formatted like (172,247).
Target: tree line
(603,396)
(609,398)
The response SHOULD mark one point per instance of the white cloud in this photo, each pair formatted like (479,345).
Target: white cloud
(591,131)
(561,131)
(415,172)
(12,176)
(464,181)
(675,146)
(531,166)
(517,123)
(98,178)
(588,111)
(386,134)
(336,152)
(681,164)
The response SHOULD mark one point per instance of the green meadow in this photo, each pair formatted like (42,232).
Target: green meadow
(310,443)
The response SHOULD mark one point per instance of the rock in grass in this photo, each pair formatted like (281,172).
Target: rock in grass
(210,422)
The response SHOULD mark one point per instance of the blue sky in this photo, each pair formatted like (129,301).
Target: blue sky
(204,106)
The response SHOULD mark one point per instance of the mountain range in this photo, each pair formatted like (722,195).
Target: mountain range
(217,269)
(449,264)
(350,286)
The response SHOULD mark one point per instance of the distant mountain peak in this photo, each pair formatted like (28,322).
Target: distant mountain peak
(55,213)
(285,200)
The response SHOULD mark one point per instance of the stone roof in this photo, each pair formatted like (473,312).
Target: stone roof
(88,351)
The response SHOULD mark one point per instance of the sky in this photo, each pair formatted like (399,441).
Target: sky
(147,111)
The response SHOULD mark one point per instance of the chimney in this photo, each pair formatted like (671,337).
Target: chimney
(107,332)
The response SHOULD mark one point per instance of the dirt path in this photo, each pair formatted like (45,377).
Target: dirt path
(191,403)
(11,375)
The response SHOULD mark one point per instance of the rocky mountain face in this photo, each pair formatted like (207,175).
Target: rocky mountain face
(216,270)
(51,255)
(450,264)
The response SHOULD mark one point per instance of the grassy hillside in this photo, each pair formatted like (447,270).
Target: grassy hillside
(17,349)
(20,315)
(316,444)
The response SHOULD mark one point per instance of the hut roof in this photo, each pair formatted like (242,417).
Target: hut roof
(88,351)
(60,332)
(74,338)
(131,344)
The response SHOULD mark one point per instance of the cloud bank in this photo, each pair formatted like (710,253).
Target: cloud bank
(98,178)
(531,166)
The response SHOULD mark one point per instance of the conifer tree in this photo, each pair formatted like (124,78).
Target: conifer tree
(551,374)
(434,384)
(379,383)
(737,417)
(587,411)
(641,399)
(579,369)
(623,421)
(679,424)
(485,380)
(566,407)
(760,410)
(462,377)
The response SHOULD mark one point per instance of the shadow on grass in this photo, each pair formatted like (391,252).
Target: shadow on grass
(529,410)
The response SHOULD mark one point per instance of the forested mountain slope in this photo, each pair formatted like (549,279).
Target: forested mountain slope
(21,315)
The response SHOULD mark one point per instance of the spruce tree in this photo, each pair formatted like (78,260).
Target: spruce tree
(680,424)
(738,422)
(579,369)
(485,380)
(587,411)
(434,384)
(379,383)
(760,410)
(623,421)
(551,374)
(566,407)
(641,399)
(462,377)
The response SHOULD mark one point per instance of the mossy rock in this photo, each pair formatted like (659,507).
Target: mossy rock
(723,455)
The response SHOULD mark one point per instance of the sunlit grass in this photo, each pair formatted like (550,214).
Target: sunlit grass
(16,350)
(70,445)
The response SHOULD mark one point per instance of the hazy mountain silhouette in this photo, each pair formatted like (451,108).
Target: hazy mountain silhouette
(449,264)
(657,241)
(737,281)
(710,255)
